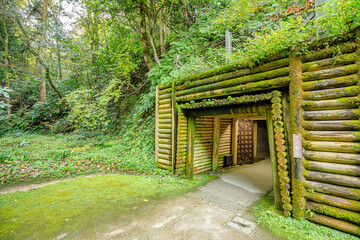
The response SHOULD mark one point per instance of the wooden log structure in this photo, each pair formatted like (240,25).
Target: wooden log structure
(195,125)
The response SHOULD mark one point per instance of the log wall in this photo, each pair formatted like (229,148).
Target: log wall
(164,128)
(323,106)
(225,139)
(330,115)
(203,144)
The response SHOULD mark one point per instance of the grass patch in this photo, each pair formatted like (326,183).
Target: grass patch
(289,228)
(73,206)
(33,157)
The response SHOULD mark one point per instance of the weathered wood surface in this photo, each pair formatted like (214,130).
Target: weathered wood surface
(341,136)
(335,190)
(331,83)
(334,125)
(249,87)
(335,212)
(234,74)
(344,147)
(342,114)
(332,178)
(190,147)
(330,73)
(282,72)
(348,47)
(351,170)
(332,93)
(340,103)
(334,223)
(331,62)
(348,204)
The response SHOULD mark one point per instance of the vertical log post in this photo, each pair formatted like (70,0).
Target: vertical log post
(190,147)
(157,124)
(274,167)
(216,138)
(255,139)
(295,124)
(173,128)
(234,140)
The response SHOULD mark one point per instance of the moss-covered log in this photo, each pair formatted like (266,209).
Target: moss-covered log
(341,60)
(217,75)
(335,125)
(165,151)
(249,87)
(282,72)
(332,93)
(165,146)
(330,73)
(343,136)
(331,83)
(335,212)
(165,141)
(348,204)
(165,96)
(329,52)
(165,101)
(343,114)
(351,170)
(344,147)
(165,111)
(337,179)
(334,223)
(165,156)
(335,157)
(340,103)
(164,126)
(335,190)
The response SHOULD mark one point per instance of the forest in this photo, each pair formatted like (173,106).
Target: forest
(77,100)
(83,73)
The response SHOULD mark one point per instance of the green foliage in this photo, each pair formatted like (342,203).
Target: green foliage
(289,228)
(86,112)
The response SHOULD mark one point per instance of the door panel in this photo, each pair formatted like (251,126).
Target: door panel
(245,142)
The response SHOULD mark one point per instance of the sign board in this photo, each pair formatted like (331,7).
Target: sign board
(297,146)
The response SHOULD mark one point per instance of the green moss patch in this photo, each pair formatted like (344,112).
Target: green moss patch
(82,204)
(289,228)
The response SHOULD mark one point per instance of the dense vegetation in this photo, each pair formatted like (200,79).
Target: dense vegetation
(86,70)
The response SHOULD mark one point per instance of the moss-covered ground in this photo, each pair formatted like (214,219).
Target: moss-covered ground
(72,207)
(289,228)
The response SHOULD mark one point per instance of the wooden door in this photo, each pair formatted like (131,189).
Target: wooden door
(245,148)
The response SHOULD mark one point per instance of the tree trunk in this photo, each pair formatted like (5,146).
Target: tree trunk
(144,38)
(59,59)
(42,53)
(6,63)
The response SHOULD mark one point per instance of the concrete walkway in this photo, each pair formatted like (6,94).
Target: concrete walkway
(203,214)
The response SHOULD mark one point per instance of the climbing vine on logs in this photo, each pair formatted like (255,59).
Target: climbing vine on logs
(281,153)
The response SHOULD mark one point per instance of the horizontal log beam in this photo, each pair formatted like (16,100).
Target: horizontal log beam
(342,114)
(344,147)
(334,223)
(165,102)
(249,87)
(343,125)
(348,47)
(331,83)
(333,201)
(330,73)
(218,77)
(346,158)
(335,190)
(340,103)
(351,170)
(165,96)
(282,72)
(331,178)
(340,60)
(343,136)
(339,213)
(331,93)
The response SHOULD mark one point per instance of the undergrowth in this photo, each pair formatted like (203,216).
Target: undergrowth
(289,228)
(33,157)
